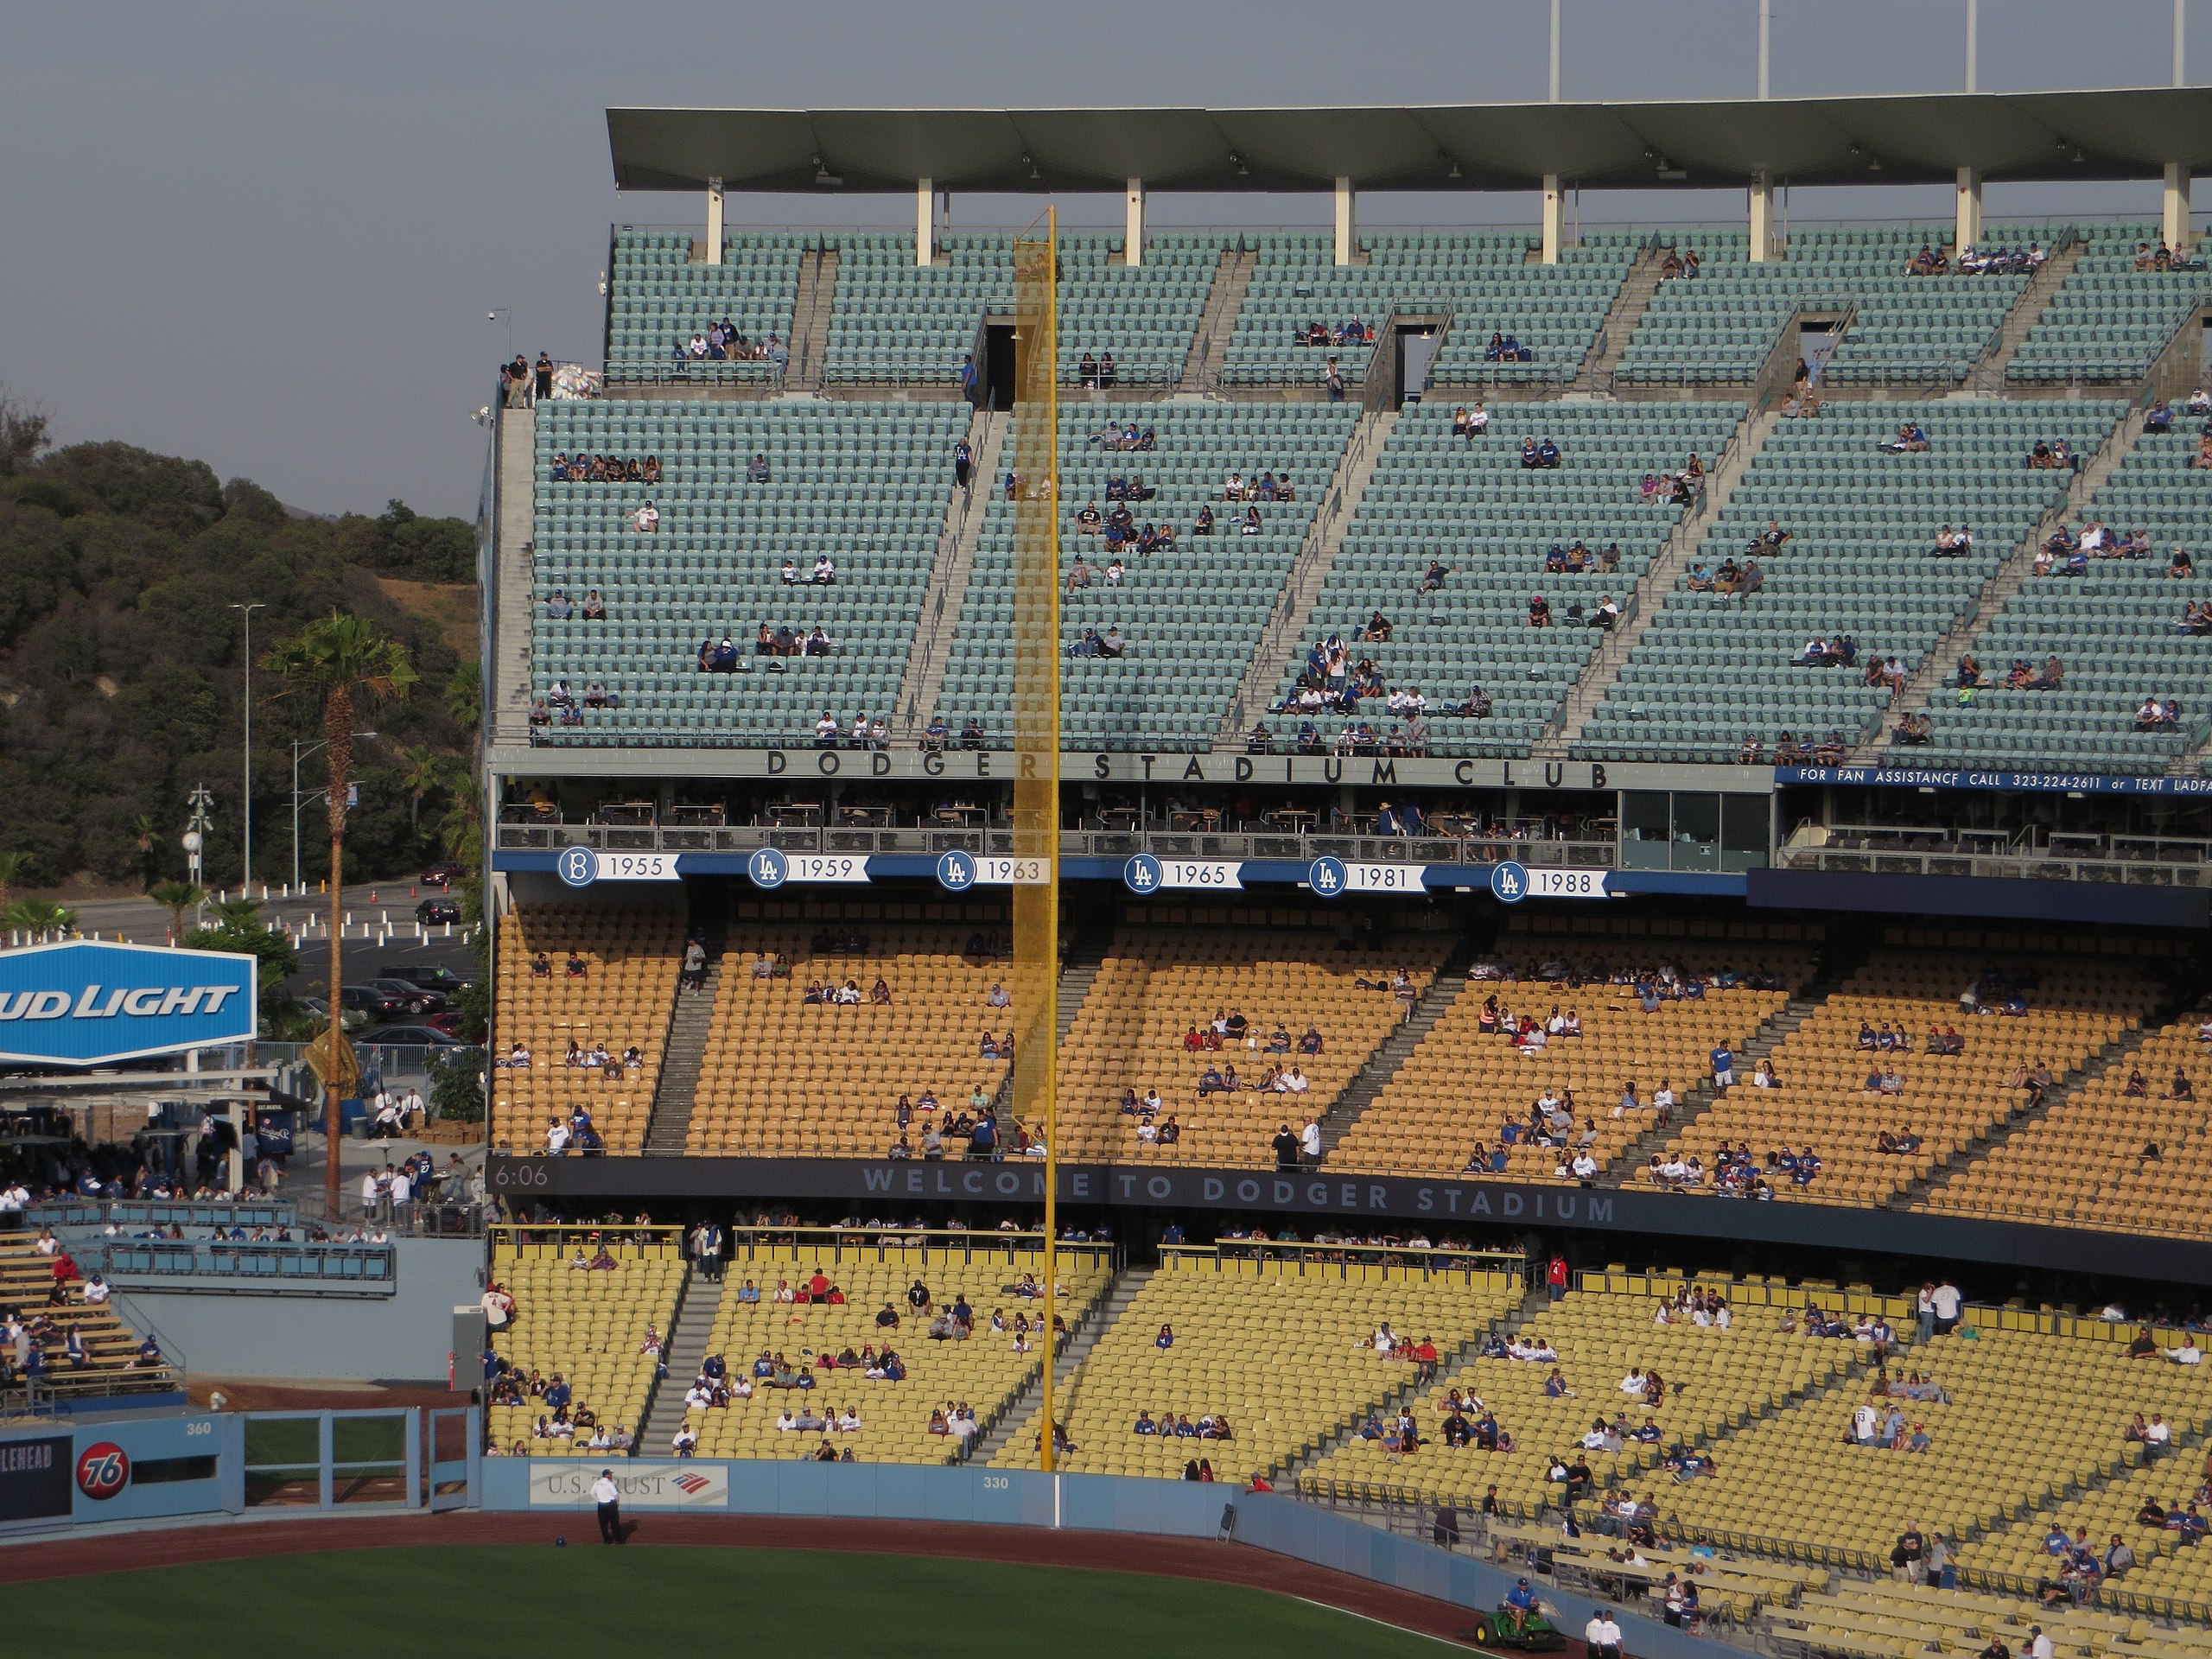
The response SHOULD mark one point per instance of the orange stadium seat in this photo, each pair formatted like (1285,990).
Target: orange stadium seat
(632,956)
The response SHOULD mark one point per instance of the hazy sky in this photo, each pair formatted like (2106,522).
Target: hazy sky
(266,235)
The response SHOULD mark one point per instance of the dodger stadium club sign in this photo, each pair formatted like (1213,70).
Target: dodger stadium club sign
(90,1003)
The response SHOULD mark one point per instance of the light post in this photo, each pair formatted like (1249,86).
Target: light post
(300,752)
(245,801)
(196,839)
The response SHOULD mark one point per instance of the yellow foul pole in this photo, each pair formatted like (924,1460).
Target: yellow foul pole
(1036,435)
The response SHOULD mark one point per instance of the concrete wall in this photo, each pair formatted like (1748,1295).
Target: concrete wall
(268,1333)
(1282,1525)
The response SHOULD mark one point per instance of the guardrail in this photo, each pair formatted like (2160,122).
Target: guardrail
(1596,854)
(2034,867)
(1349,1260)
(940,1245)
(376,1264)
(62,1215)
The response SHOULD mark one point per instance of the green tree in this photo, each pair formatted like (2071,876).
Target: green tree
(421,769)
(22,435)
(240,928)
(13,868)
(341,662)
(143,837)
(40,916)
(176,898)
(464,697)
(457,1086)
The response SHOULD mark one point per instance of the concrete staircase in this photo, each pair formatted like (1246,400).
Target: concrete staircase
(1987,374)
(1652,589)
(1595,374)
(2119,1052)
(698,1304)
(1284,1474)
(1209,345)
(1019,1414)
(1383,1064)
(1926,678)
(1836,966)
(508,695)
(1079,971)
(1086,954)
(810,307)
(677,1091)
(1309,573)
(957,538)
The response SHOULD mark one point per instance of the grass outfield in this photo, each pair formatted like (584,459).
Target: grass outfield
(590,1602)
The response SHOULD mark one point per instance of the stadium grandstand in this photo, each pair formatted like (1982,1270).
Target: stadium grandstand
(1542,888)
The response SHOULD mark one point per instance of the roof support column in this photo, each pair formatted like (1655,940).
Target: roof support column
(1132,233)
(925,222)
(2176,216)
(1968,232)
(1347,223)
(1555,218)
(714,221)
(1762,219)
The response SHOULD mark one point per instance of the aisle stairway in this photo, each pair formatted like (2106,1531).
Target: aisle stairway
(687,1048)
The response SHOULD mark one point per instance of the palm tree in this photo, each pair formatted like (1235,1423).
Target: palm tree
(176,898)
(13,868)
(143,836)
(421,769)
(40,916)
(342,660)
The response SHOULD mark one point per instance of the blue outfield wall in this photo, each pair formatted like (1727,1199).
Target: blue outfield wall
(247,1328)
(1279,1524)
(57,1476)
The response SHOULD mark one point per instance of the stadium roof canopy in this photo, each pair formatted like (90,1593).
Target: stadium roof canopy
(1920,139)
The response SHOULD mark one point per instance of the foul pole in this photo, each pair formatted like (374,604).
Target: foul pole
(1036,434)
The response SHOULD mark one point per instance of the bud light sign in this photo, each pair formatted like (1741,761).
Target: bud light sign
(88,1003)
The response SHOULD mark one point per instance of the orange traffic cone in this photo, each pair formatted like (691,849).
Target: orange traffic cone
(372,895)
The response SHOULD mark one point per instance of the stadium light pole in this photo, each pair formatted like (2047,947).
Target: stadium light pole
(503,314)
(1766,34)
(245,800)
(2181,55)
(1555,60)
(1974,46)
(300,752)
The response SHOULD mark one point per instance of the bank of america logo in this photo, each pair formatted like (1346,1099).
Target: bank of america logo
(692,1486)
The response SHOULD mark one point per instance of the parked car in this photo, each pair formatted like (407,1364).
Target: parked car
(430,976)
(350,1019)
(449,1022)
(443,873)
(374,1004)
(413,999)
(413,1036)
(437,909)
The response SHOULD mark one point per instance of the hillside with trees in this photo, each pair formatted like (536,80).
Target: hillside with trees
(122,667)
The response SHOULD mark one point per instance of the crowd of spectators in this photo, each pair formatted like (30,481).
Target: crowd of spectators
(725,342)
(1350,332)
(561,608)
(603,469)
